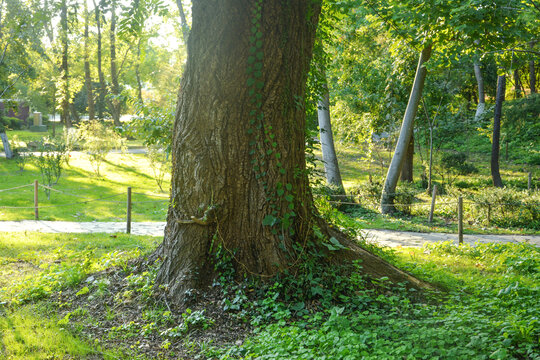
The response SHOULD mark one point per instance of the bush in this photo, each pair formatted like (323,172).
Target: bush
(51,157)
(10,123)
(97,141)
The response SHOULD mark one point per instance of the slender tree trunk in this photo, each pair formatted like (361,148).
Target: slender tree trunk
(532,72)
(480,108)
(101,76)
(392,177)
(87,74)
(407,171)
(74,114)
(5,142)
(331,167)
(64,67)
(137,72)
(183,22)
(115,102)
(517,84)
(495,148)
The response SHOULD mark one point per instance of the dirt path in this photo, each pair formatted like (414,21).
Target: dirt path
(383,237)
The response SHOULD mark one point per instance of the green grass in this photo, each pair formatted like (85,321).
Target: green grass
(79,187)
(33,266)
(32,332)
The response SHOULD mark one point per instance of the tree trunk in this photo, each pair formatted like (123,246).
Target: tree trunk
(495,174)
(115,102)
(238,151)
(331,167)
(101,76)
(480,108)
(532,77)
(407,171)
(517,84)
(239,177)
(392,177)
(5,142)
(138,73)
(183,22)
(87,74)
(64,67)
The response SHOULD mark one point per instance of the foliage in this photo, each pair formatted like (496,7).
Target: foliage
(153,123)
(160,163)
(97,141)
(52,155)
(11,123)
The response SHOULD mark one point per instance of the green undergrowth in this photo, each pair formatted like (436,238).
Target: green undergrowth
(486,308)
(34,265)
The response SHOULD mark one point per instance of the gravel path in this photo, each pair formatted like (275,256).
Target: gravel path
(382,237)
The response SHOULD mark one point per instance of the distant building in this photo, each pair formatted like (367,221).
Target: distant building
(15,108)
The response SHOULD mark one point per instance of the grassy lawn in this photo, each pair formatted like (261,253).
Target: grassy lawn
(79,187)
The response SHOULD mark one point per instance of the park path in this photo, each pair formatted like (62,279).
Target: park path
(383,237)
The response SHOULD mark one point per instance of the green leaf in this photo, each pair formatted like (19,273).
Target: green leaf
(269,220)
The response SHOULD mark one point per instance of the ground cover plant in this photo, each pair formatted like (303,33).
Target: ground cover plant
(486,308)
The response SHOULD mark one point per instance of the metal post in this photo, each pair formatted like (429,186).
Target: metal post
(432,204)
(128,224)
(460,220)
(36,207)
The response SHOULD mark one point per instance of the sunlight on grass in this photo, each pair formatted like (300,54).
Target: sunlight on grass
(30,332)
(79,187)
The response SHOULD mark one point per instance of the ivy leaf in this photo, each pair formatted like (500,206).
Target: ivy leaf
(269,220)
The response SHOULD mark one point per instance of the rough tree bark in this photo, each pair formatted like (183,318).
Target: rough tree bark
(407,169)
(238,153)
(114,103)
(495,173)
(87,74)
(101,76)
(481,107)
(392,176)
(331,166)
(66,119)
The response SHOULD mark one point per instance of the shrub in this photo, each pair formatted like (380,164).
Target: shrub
(97,141)
(159,162)
(49,161)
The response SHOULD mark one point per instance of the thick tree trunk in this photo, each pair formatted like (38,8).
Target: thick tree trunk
(115,102)
(101,76)
(392,177)
(64,67)
(481,107)
(407,171)
(495,174)
(238,142)
(331,167)
(87,74)
(239,178)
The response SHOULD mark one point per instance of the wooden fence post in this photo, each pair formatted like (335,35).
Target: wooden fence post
(489,214)
(432,204)
(529,182)
(128,218)
(36,207)
(460,220)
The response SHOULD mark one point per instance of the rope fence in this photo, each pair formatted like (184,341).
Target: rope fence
(349,200)
(85,200)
